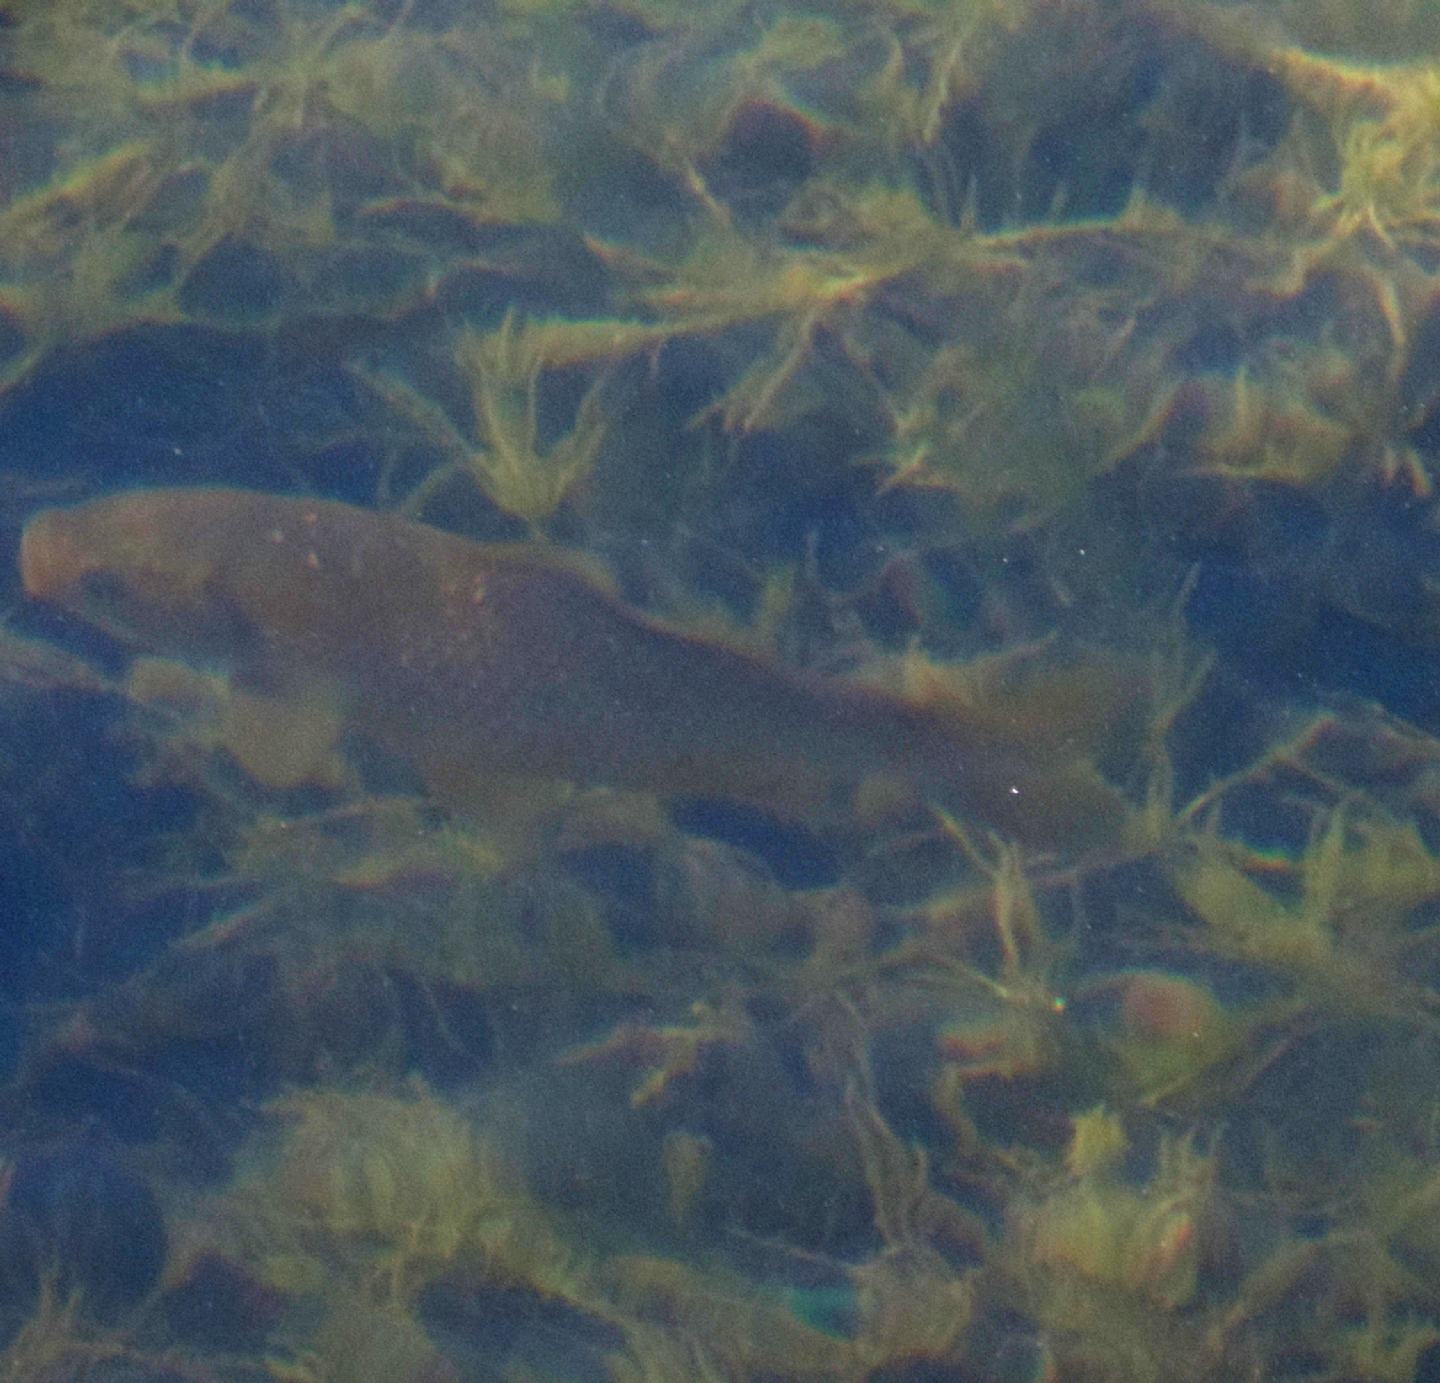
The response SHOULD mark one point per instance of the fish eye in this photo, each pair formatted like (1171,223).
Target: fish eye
(105,589)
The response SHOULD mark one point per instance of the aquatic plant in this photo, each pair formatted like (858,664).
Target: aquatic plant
(79,1231)
(904,1302)
(960,349)
(401,1188)
(1169,1031)
(1008,1027)
(503,382)
(519,473)
(1142,1240)
(1343,939)
(665,1054)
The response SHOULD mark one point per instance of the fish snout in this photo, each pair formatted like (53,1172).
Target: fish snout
(52,559)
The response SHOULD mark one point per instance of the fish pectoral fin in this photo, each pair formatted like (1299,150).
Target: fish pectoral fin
(286,734)
(480,790)
(508,812)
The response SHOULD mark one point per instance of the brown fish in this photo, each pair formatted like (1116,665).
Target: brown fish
(477,659)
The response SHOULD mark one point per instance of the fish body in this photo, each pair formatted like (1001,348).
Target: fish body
(503,659)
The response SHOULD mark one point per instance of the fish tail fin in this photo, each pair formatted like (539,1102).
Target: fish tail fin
(1021,740)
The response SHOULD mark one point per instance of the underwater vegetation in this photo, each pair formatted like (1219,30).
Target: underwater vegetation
(479,662)
(77,1229)
(730,692)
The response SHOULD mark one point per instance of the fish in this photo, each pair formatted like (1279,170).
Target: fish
(476,661)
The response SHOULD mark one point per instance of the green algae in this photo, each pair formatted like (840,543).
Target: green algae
(907,342)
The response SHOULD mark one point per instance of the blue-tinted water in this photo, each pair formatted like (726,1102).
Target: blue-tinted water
(1055,384)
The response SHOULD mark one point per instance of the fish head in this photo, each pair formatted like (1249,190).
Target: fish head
(142,571)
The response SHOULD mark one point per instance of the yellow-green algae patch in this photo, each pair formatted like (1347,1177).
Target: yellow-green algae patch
(952,367)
